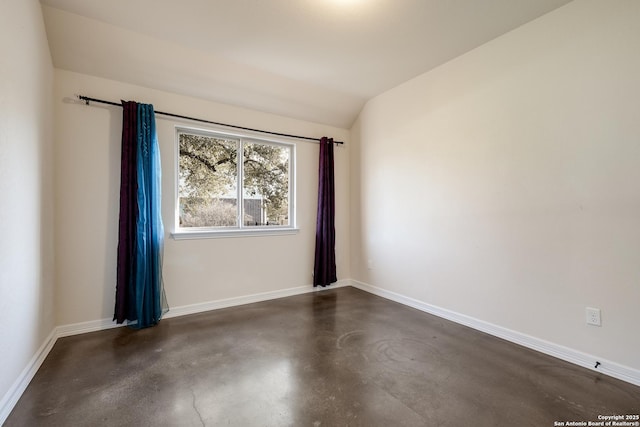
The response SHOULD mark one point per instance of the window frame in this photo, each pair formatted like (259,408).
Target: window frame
(241,230)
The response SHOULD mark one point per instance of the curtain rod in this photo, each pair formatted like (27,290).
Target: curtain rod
(87,100)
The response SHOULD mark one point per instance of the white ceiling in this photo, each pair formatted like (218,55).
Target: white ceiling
(316,60)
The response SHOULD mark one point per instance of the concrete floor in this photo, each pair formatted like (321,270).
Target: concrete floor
(334,358)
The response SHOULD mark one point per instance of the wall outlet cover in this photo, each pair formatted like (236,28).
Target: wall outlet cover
(593,316)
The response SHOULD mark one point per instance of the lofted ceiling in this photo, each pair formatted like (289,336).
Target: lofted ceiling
(316,60)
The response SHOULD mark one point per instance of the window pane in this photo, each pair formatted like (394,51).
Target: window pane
(266,184)
(208,176)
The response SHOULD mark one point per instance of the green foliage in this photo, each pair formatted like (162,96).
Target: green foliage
(209,170)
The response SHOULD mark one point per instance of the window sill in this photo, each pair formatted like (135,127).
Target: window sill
(219,234)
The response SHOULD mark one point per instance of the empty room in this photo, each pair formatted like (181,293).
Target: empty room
(320,213)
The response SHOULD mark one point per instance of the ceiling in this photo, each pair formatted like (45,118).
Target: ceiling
(316,60)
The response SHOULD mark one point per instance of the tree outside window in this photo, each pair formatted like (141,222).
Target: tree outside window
(227,182)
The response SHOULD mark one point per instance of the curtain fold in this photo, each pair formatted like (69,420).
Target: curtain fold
(140,298)
(124,309)
(324,270)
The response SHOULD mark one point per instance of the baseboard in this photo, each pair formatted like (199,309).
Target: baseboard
(12,396)
(183,310)
(85,327)
(248,299)
(576,357)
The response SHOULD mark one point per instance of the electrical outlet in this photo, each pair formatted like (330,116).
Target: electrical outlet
(593,316)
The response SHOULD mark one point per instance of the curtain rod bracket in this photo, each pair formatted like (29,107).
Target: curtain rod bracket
(81,98)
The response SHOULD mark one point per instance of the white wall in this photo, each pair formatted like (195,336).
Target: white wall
(195,271)
(26,232)
(505,184)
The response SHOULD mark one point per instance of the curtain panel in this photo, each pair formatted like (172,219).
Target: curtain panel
(324,270)
(140,297)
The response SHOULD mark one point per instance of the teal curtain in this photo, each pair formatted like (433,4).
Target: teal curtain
(150,298)
(140,297)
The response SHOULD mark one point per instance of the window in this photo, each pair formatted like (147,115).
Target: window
(229,183)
